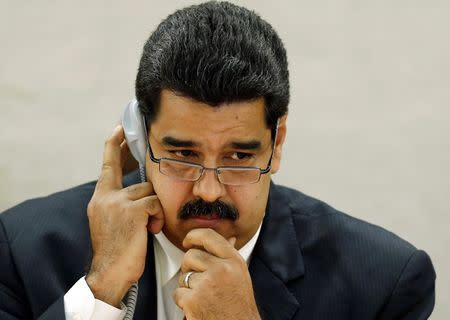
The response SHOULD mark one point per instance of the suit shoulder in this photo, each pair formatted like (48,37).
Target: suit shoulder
(67,205)
(356,250)
(63,210)
(341,231)
(47,235)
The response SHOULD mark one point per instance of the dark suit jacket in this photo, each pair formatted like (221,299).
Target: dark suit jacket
(310,262)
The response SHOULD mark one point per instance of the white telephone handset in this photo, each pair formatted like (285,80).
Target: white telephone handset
(134,128)
(135,134)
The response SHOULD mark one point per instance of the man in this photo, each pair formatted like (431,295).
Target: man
(208,236)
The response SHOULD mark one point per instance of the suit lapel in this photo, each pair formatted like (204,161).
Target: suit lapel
(276,260)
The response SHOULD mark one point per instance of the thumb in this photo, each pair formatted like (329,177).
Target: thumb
(232,241)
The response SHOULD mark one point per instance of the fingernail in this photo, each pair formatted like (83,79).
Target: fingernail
(117,128)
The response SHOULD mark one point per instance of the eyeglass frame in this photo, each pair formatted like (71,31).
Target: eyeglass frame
(216,169)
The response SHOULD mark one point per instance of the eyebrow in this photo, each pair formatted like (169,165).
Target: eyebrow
(252,145)
(169,141)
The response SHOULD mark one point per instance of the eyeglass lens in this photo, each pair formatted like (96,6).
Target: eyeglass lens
(192,172)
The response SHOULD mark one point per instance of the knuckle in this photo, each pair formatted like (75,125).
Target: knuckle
(226,268)
(208,233)
(189,255)
(188,237)
(131,189)
(152,205)
(209,281)
(237,258)
(107,165)
(91,207)
(184,268)
(109,203)
(193,234)
(145,185)
(241,261)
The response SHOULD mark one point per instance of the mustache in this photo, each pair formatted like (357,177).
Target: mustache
(199,208)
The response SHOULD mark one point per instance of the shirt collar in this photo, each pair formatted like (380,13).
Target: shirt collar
(170,257)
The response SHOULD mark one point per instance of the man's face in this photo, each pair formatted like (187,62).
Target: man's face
(234,134)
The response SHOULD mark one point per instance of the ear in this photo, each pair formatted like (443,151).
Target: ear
(279,144)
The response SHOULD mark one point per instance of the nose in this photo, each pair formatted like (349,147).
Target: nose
(208,187)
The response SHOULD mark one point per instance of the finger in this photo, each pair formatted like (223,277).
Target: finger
(193,278)
(181,297)
(155,225)
(111,174)
(154,210)
(211,241)
(198,260)
(124,153)
(138,191)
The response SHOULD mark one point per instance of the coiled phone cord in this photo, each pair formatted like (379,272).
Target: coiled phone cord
(131,301)
(133,291)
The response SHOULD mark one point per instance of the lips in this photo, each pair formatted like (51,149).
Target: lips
(208,221)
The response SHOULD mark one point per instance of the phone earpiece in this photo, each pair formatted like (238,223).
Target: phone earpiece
(133,126)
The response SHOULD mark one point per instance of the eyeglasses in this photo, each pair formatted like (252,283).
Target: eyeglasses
(228,175)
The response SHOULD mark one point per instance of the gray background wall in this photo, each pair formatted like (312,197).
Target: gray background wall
(368,125)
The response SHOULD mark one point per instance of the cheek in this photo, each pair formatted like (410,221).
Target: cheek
(170,192)
(250,201)
(172,195)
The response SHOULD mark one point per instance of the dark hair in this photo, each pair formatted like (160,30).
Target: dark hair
(214,52)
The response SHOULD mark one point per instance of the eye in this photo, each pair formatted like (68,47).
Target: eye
(183,153)
(241,156)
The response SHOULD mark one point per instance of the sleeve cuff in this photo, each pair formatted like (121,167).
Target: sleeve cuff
(80,304)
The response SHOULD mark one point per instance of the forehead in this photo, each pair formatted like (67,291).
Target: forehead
(184,117)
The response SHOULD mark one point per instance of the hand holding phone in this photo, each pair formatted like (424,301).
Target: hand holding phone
(119,221)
